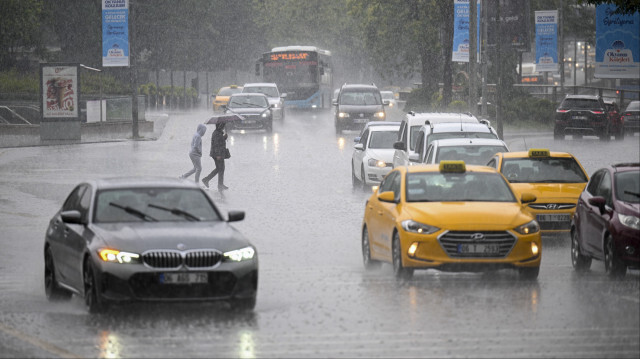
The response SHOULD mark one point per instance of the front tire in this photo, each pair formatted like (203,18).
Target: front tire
(613,265)
(399,271)
(51,288)
(581,263)
(369,263)
(354,180)
(364,179)
(92,299)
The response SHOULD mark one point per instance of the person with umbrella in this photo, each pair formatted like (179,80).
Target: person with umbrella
(195,153)
(218,152)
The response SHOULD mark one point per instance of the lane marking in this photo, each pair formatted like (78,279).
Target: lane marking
(48,347)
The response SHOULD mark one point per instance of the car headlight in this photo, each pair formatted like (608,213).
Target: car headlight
(379,114)
(376,163)
(240,254)
(114,255)
(528,228)
(412,226)
(343,115)
(629,221)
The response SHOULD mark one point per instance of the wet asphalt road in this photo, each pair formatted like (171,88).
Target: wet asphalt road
(314,298)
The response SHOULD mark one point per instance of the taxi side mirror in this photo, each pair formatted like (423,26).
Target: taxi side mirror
(387,196)
(528,198)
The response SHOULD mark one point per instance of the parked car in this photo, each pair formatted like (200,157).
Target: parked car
(373,153)
(255,110)
(631,117)
(276,99)
(606,225)
(222,97)
(473,151)
(147,239)
(580,115)
(358,104)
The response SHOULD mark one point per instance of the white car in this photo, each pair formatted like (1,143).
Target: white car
(394,112)
(276,99)
(373,153)
(473,151)
(438,131)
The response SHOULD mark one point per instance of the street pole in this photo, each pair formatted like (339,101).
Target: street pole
(561,57)
(499,38)
(473,45)
(134,80)
(484,41)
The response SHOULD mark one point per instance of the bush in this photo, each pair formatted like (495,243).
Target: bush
(12,82)
(529,110)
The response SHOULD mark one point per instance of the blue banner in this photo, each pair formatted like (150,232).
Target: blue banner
(547,41)
(461,31)
(115,33)
(617,44)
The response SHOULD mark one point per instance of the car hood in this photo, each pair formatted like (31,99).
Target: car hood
(248,110)
(138,237)
(469,216)
(564,192)
(628,208)
(364,109)
(383,154)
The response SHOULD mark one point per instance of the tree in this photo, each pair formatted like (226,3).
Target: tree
(19,30)
(627,7)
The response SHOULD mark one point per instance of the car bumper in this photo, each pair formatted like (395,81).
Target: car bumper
(250,124)
(354,123)
(553,221)
(433,252)
(137,282)
(627,242)
(375,175)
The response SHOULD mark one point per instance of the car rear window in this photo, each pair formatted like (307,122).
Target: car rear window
(457,187)
(360,98)
(580,103)
(227,91)
(543,170)
(628,186)
(459,134)
(470,154)
(270,91)
(634,106)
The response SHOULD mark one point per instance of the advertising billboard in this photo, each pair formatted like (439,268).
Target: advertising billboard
(547,41)
(59,91)
(115,33)
(461,31)
(617,44)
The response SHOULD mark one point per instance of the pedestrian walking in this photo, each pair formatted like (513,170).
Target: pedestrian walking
(218,152)
(195,153)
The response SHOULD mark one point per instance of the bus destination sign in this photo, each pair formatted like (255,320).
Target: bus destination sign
(289,56)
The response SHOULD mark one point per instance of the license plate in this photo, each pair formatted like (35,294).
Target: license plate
(249,122)
(578,117)
(479,248)
(553,218)
(183,278)
(361,120)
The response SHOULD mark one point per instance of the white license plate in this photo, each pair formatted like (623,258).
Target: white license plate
(553,218)
(183,278)
(578,117)
(361,120)
(249,122)
(479,248)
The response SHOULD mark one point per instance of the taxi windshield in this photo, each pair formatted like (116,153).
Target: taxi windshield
(457,187)
(628,186)
(543,170)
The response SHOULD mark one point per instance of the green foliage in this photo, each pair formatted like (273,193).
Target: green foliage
(90,83)
(19,29)
(14,82)
(524,109)
(458,106)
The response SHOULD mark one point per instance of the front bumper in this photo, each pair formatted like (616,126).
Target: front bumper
(375,175)
(553,221)
(251,123)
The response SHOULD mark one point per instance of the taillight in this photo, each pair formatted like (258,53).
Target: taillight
(597,112)
(562,110)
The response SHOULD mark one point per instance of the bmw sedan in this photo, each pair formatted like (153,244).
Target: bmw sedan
(255,110)
(147,239)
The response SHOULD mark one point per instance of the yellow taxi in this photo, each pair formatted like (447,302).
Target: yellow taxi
(222,98)
(449,217)
(556,179)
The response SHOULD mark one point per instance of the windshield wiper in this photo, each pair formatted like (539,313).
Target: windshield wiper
(177,212)
(134,212)
(632,193)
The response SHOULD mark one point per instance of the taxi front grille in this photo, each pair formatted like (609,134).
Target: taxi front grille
(204,258)
(477,244)
(552,206)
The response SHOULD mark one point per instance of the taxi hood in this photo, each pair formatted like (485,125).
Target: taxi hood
(551,191)
(463,216)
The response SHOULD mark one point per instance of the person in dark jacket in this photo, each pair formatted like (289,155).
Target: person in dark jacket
(218,152)
(195,153)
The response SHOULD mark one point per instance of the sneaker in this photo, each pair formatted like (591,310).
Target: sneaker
(206,183)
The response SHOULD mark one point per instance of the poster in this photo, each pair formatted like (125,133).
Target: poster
(115,33)
(60,91)
(461,31)
(617,44)
(547,41)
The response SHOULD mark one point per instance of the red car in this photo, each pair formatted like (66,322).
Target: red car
(606,224)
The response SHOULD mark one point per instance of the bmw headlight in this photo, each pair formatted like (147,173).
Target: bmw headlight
(528,228)
(412,226)
(376,163)
(629,221)
(240,254)
(114,255)
(379,114)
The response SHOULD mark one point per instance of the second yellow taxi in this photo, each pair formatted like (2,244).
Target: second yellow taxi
(556,179)
(450,217)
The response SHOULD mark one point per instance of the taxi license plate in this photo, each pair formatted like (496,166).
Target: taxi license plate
(553,218)
(183,278)
(361,120)
(578,117)
(479,248)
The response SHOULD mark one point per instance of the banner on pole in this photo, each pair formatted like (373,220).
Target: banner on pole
(461,31)
(547,41)
(617,44)
(115,33)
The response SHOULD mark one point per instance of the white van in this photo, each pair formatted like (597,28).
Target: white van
(411,124)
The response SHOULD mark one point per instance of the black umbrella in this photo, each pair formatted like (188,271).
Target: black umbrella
(224,118)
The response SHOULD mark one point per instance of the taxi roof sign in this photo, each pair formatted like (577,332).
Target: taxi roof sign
(539,152)
(452,166)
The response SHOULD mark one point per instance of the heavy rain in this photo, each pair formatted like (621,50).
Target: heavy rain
(66,118)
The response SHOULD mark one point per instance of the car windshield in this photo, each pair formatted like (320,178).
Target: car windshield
(270,91)
(360,98)
(457,187)
(543,170)
(470,154)
(387,95)
(579,103)
(247,101)
(153,204)
(382,139)
(228,91)
(628,186)
(634,106)
(459,134)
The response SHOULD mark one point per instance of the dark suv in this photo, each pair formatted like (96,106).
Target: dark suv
(580,115)
(356,105)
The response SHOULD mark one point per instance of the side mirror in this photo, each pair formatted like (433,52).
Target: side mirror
(73,217)
(399,146)
(598,201)
(358,147)
(414,157)
(235,216)
(388,196)
(528,198)
(385,102)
